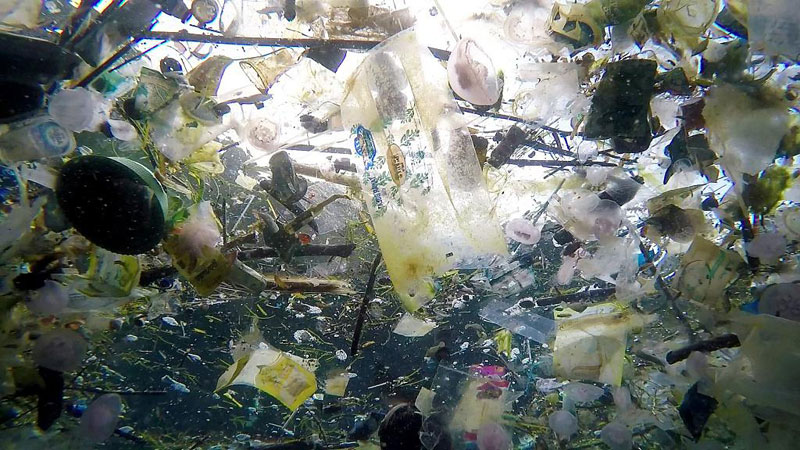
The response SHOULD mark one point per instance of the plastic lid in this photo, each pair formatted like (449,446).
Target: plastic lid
(116,203)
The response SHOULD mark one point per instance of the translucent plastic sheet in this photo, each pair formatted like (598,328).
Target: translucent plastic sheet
(421,177)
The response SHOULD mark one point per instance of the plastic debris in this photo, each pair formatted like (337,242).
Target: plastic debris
(456,205)
(481,225)
(410,326)
(617,436)
(51,299)
(276,373)
(471,74)
(519,321)
(563,424)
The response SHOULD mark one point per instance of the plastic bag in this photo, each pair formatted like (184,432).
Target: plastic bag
(424,189)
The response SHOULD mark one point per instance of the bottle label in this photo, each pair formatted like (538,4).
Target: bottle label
(51,138)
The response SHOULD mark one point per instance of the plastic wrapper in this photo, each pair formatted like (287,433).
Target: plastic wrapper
(591,345)
(186,125)
(193,252)
(277,373)
(468,400)
(410,326)
(109,275)
(425,193)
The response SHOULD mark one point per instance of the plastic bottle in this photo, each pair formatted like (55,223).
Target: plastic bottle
(37,138)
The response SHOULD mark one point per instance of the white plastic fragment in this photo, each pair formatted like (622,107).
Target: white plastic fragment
(77,109)
(175,385)
(410,326)
(582,392)
(170,321)
(122,130)
(768,247)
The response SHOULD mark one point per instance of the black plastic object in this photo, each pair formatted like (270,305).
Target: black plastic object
(621,104)
(116,203)
(19,100)
(34,60)
(729,23)
(695,410)
(328,56)
(104,37)
(170,65)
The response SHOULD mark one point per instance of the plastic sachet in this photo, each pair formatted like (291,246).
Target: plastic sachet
(109,274)
(281,375)
(517,320)
(192,248)
(422,181)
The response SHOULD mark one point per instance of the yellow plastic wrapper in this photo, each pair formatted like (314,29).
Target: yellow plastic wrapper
(192,248)
(287,381)
(591,345)
(276,373)
(423,185)
(109,275)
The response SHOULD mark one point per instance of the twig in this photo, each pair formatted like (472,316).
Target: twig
(107,63)
(130,60)
(244,211)
(120,392)
(709,345)
(344,44)
(556,163)
(364,302)
(349,44)
(342,250)
(536,145)
(515,119)
(594,294)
